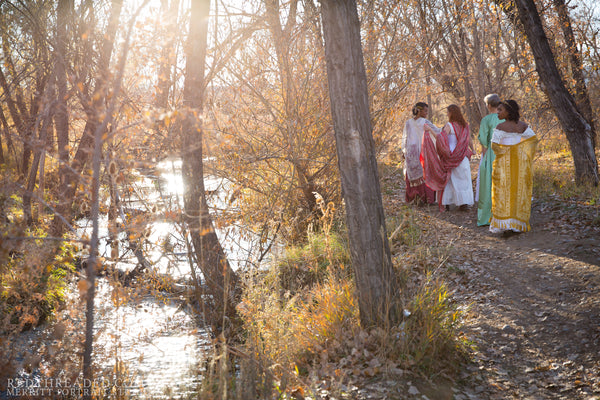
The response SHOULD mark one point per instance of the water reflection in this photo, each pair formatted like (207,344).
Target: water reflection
(152,335)
(157,343)
(170,177)
(238,242)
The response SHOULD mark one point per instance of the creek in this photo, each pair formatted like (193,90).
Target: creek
(150,335)
(148,344)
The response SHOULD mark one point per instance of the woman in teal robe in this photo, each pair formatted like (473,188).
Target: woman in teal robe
(483,194)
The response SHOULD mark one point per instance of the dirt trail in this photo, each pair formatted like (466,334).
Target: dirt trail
(534,303)
(531,301)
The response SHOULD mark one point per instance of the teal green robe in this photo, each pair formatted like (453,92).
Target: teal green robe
(484,205)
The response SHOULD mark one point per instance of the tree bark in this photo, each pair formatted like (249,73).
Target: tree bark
(16,104)
(1,151)
(221,280)
(6,129)
(42,126)
(577,130)
(582,97)
(348,92)
(14,113)
(61,117)
(164,80)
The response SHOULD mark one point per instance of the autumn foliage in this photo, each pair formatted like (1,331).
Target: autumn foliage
(74,72)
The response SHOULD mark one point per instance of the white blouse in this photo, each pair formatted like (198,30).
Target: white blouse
(452,139)
(510,138)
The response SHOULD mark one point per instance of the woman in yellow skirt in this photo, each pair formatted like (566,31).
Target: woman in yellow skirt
(514,144)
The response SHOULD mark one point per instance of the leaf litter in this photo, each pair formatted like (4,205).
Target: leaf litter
(531,302)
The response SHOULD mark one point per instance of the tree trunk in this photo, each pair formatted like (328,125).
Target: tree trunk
(61,117)
(43,128)
(575,126)
(472,111)
(348,92)
(93,261)
(167,59)
(42,181)
(480,68)
(17,106)
(281,41)
(221,280)
(14,113)
(582,97)
(98,142)
(6,129)
(1,151)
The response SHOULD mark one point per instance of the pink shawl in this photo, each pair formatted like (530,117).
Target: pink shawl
(438,161)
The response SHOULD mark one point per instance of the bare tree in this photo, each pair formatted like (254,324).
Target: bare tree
(221,280)
(99,139)
(274,131)
(582,96)
(577,129)
(64,9)
(94,105)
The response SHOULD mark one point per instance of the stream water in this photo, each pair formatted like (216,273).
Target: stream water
(153,336)
(145,335)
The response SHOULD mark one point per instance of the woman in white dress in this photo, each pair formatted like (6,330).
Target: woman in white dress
(447,168)
(416,188)
(459,189)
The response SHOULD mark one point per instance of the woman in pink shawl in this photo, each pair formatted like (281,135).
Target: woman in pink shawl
(446,161)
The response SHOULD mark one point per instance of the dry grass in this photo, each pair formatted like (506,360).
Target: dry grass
(554,176)
(428,340)
(294,309)
(301,323)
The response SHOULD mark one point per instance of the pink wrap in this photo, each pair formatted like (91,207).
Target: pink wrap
(438,161)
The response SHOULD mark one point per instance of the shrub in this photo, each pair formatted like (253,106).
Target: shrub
(429,338)
(33,282)
(557,178)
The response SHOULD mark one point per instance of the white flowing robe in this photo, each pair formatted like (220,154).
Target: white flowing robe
(459,189)
(411,146)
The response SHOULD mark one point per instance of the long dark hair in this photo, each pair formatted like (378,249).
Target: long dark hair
(418,107)
(512,108)
(455,115)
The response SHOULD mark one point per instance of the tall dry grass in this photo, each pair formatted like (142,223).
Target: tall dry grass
(302,330)
(554,178)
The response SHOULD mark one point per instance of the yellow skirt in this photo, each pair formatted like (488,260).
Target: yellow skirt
(512,185)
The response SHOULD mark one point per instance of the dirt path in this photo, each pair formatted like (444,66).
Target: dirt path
(534,307)
(533,300)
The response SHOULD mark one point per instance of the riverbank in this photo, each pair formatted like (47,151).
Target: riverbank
(528,309)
